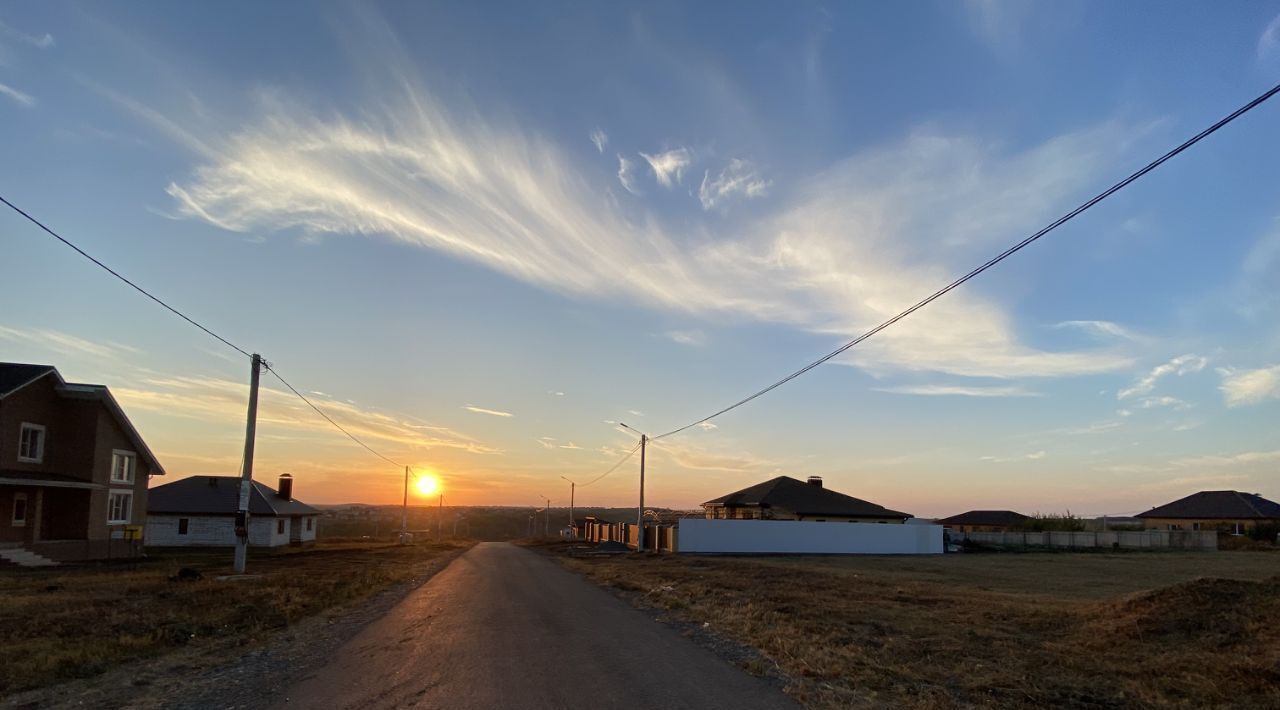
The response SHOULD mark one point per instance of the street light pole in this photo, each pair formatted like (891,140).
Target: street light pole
(404,511)
(546,520)
(644,440)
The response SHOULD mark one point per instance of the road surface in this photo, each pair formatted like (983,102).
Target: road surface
(503,627)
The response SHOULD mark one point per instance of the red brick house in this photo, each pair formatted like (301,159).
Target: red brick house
(73,470)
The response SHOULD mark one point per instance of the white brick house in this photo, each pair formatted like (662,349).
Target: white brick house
(200,512)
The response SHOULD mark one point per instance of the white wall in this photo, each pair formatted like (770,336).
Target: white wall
(799,537)
(213,531)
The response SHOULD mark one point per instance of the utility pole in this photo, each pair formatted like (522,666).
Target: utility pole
(440,519)
(640,512)
(572,486)
(246,473)
(546,520)
(404,511)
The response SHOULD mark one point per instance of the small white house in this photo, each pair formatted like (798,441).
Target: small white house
(201,511)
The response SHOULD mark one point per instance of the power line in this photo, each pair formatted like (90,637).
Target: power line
(116,274)
(993,261)
(193,322)
(329,419)
(613,467)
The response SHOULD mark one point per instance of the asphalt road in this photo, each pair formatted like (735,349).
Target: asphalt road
(503,627)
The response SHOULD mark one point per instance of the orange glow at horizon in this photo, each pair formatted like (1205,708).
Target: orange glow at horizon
(426,485)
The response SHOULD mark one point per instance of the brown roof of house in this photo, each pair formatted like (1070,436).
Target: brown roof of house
(1218,505)
(220,495)
(803,498)
(985,517)
(15,375)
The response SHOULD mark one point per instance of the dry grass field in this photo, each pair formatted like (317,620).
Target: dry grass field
(77,622)
(1099,630)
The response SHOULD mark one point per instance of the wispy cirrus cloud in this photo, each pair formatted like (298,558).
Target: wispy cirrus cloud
(1181,365)
(958,391)
(686,337)
(852,245)
(627,175)
(21,98)
(599,139)
(668,166)
(1269,41)
(1099,327)
(44,339)
(39,41)
(1242,387)
(738,179)
(490,412)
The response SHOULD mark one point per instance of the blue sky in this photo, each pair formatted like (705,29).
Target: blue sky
(481,233)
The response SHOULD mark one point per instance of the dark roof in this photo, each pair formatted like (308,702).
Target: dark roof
(1217,505)
(803,498)
(985,517)
(14,375)
(220,495)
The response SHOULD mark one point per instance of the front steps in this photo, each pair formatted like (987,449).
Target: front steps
(25,558)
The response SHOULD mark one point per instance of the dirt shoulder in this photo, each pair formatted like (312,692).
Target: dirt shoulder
(209,643)
(980,630)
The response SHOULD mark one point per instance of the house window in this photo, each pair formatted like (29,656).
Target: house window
(19,510)
(280,526)
(309,521)
(119,506)
(31,443)
(123,464)
(182,525)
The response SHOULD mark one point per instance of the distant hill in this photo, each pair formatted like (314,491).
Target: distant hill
(491,523)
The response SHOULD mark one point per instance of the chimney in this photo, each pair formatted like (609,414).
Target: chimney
(286,486)
(213,481)
(815,481)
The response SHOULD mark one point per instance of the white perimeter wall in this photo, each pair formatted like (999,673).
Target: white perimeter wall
(799,537)
(214,531)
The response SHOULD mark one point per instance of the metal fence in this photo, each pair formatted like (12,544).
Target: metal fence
(1120,539)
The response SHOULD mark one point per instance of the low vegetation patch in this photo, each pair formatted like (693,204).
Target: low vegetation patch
(70,623)
(984,630)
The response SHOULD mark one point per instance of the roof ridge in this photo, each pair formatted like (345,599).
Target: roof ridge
(1245,498)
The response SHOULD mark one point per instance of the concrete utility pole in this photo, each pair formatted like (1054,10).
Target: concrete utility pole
(404,511)
(644,440)
(572,486)
(246,473)
(440,519)
(546,520)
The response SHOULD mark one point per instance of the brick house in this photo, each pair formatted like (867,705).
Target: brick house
(984,521)
(1225,511)
(200,512)
(786,498)
(73,470)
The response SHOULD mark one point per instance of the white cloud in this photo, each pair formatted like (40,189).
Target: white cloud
(627,175)
(707,426)
(44,41)
(22,99)
(571,445)
(668,167)
(860,241)
(635,413)
(1269,42)
(555,393)
(490,412)
(1098,327)
(687,337)
(46,340)
(1033,456)
(1181,365)
(738,178)
(600,139)
(958,391)
(1153,402)
(1243,387)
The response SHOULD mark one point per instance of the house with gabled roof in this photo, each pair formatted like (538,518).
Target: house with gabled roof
(1224,511)
(786,498)
(73,470)
(984,521)
(200,511)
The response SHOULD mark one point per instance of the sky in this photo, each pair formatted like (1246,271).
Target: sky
(479,235)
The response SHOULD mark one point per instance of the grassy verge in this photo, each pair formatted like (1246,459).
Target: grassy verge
(1029,630)
(57,625)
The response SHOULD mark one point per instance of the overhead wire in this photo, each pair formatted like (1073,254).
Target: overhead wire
(992,261)
(612,468)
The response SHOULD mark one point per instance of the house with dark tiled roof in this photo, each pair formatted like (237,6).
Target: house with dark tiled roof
(984,521)
(73,470)
(1224,511)
(200,511)
(786,498)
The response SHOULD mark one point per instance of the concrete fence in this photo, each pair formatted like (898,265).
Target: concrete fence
(1124,539)
(658,536)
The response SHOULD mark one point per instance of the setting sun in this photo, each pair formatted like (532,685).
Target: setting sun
(426,485)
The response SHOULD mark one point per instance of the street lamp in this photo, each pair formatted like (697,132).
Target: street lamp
(572,486)
(644,440)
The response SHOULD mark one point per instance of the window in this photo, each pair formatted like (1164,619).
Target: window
(119,506)
(309,521)
(31,443)
(123,464)
(182,525)
(280,526)
(19,510)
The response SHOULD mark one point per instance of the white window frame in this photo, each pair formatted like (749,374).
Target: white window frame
(132,458)
(111,496)
(26,510)
(22,432)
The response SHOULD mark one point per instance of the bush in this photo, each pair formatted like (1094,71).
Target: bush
(1052,522)
(1264,532)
